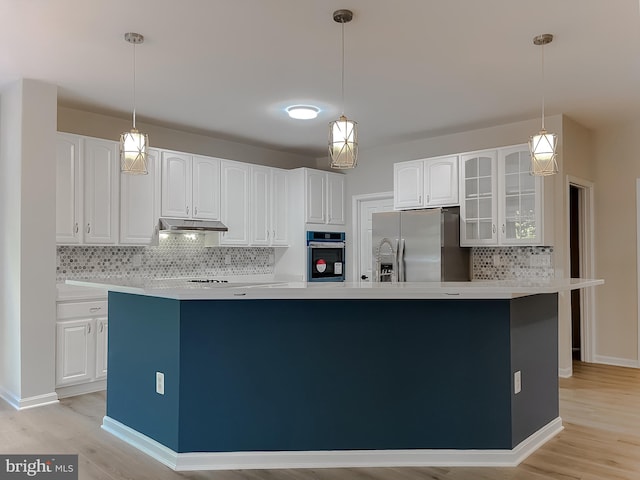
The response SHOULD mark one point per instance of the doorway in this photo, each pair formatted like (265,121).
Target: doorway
(364,206)
(581,263)
(574,260)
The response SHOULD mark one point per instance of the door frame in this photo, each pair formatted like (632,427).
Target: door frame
(356,207)
(587,262)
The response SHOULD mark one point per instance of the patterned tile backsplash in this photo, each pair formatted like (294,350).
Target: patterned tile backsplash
(510,263)
(177,255)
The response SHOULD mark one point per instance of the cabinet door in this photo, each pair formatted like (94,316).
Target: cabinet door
(316,196)
(441,181)
(279,207)
(335,199)
(73,351)
(139,196)
(206,188)
(176,185)
(478,208)
(260,205)
(408,185)
(102,337)
(101,181)
(520,207)
(235,202)
(68,189)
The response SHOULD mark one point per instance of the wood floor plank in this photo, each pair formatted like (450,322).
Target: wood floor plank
(599,405)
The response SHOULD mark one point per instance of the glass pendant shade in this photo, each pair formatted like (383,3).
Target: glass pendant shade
(543,153)
(343,143)
(133,152)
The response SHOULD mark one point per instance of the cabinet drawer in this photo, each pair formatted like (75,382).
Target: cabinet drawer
(82,309)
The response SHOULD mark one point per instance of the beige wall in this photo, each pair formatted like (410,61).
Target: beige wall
(617,168)
(103,126)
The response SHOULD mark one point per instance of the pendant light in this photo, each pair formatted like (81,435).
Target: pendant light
(133,144)
(343,135)
(543,145)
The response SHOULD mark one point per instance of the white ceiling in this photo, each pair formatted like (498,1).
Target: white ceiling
(414,68)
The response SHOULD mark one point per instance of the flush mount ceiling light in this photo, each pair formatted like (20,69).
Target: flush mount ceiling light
(543,145)
(133,144)
(343,135)
(303,112)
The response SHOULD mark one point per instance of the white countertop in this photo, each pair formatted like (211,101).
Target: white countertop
(181,289)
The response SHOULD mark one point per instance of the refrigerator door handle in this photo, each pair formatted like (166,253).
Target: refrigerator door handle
(400,255)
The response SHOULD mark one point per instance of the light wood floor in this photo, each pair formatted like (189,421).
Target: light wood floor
(600,407)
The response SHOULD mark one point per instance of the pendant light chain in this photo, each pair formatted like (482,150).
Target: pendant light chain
(542,55)
(134,85)
(342,67)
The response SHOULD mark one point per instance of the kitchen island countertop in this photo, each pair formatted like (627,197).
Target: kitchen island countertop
(182,289)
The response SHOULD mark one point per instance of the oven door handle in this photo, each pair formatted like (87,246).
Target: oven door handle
(326,244)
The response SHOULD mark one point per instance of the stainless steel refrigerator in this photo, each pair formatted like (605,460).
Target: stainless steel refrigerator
(419,246)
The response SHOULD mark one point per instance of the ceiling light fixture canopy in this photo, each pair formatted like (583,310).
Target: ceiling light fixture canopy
(303,112)
(543,145)
(133,144)
(343,133)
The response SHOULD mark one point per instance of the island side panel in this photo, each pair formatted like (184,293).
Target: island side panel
(272,375)
(534,352)
(144,338)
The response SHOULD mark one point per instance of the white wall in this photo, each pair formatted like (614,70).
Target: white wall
(103,126)
(28,125)
(10,249)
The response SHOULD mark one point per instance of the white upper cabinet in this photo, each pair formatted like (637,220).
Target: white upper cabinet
(190,186)
(269,206)
(441,181)
(502,203)
(101,182)
(478,190)
(335,199)
(234,186)
(140,203)
(176,184)
(68,189)
(426,183)
(324,202)
(206,188)
(260,205)
(87,187)
(408,184)
(521,196)
(279,207)
(316,196)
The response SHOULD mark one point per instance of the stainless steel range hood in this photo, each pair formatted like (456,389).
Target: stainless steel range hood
(184,225)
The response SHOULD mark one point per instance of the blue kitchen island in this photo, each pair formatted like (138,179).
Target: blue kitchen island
(289,375)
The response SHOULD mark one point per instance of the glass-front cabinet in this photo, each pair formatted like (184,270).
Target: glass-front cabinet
(501,202)
(478,206)
(521,199)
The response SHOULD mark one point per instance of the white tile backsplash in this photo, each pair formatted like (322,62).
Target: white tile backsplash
(175,256)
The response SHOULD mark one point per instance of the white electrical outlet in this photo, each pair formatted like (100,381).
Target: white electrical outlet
(137,260)
(496,260)
(517,382)
(227,259)
(160,383)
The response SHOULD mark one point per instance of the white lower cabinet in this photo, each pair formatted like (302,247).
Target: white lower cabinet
(81,346)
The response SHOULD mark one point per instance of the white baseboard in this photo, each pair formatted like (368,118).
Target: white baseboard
(28,402)
(81,389)
(333,458)
(565,372)
(616,361)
